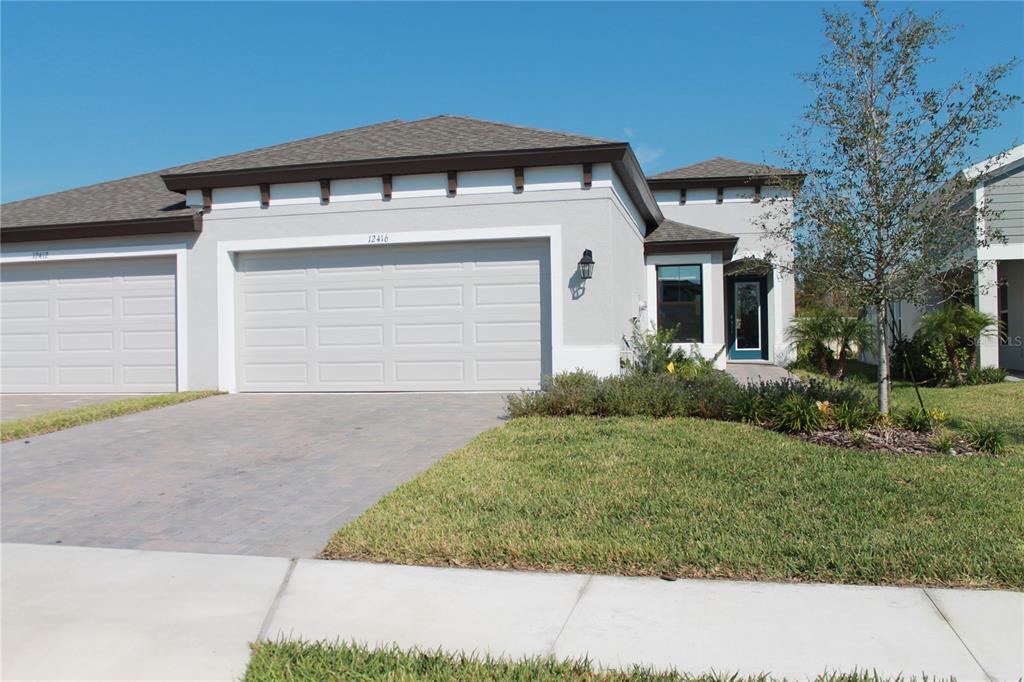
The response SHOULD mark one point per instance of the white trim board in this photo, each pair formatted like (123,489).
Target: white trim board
(179,251)
(226,250)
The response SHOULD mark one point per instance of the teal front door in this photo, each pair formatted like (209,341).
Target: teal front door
(748,318)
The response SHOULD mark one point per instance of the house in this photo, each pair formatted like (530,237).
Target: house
(999,186)
(440,254)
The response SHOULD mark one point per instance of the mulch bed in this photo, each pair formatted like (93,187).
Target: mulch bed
(890,439)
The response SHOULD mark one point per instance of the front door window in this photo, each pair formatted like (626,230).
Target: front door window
(747,304)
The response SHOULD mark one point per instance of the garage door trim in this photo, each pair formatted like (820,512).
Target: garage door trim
(226,274)
(179,251)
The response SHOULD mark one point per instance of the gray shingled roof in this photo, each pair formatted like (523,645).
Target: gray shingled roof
(135,198)
(436,136)
(721,167)
(145,196)
(671,231)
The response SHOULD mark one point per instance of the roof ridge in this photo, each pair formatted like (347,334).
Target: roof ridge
(519,126)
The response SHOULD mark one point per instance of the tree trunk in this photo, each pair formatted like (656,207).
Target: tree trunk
(823,361)
(881,320)
(954,362)
(841,364)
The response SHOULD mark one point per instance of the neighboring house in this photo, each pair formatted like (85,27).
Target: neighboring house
(1000,291)
(441,254)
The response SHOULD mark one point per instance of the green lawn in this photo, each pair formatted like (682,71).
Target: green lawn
(27,427)
(292,661)
(687,497)
(1000,405)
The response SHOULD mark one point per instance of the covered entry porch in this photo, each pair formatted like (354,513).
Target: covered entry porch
(723,304)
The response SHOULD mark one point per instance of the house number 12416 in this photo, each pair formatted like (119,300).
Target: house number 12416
(379,239)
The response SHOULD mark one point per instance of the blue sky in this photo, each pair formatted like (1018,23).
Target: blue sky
(92,92)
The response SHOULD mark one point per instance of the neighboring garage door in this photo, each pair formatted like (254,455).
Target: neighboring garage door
(458,316)
(88,326)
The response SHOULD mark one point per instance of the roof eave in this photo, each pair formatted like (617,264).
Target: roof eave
(404,165)
(726,246)
(110,228)
(635,182)
(619,154)
(727,181)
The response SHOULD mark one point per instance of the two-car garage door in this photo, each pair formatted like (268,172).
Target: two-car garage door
(439,317)
(454,316)
(105,325)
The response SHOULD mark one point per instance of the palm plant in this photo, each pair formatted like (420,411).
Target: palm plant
(812,333)
(956,326)
(846,333)
(819,333)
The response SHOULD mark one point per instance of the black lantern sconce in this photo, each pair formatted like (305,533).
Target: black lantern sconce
(586,265)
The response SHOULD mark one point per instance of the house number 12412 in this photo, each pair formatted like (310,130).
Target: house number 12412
(379,239)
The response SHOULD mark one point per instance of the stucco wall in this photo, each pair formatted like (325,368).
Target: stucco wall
(599,218)
(739,215)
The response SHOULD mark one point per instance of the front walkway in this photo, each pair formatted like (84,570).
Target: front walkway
(72,612)
(747,372)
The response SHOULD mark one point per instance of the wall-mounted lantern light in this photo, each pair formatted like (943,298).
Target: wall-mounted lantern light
(587,265)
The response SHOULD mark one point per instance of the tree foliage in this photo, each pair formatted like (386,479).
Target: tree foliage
(884,213)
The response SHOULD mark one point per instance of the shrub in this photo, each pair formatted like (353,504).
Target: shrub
(851,416)
(753,408)
(914,419)
(658,395)
(563,394)
(943,442)
(798,414)
(954,329)
(657,353)
(711,395)
(858,439)
(910,352)
(654,352)
(985,375)
(985,438)
(707,394)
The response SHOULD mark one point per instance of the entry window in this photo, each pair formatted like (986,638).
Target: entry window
(681,302)
(748,315)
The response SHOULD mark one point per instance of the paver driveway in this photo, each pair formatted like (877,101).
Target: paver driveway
(240,474)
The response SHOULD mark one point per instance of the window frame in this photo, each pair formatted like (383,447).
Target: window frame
(662,305)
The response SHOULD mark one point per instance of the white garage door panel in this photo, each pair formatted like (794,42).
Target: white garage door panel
(88,326)
(465,316)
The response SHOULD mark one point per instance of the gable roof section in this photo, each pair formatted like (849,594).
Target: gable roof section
(140,204)
(153,201)
(674,237)
(440,135)
(431,145)
(713,172)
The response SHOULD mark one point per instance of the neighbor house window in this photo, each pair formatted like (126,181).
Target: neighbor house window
(1004,310)
(680,302)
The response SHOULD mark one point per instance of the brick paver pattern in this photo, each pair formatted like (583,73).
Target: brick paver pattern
(258,474)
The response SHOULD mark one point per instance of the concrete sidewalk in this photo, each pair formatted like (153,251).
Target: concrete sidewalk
(80,613)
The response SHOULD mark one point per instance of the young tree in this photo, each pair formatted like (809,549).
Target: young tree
(884,215)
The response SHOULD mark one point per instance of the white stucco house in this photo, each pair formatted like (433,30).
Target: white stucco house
(446,253)
(998,185)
